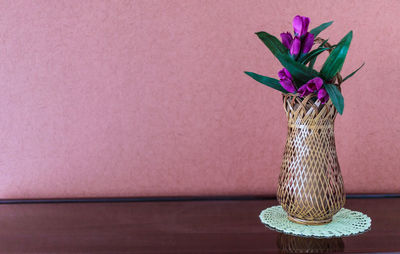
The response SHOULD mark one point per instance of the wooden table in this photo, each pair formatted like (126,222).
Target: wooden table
(179,227)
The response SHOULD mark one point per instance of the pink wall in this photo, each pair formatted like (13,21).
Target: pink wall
(148,98)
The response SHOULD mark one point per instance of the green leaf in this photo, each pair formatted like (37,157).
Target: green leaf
(335,60)
(271,82)
(323,43)
(351,74)
(300,73)
(312,55)
(275,45)
(336,97)
(312,62)
(320,28)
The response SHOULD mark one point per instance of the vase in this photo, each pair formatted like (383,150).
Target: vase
(310,187)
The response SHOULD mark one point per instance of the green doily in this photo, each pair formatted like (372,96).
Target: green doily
(345,223)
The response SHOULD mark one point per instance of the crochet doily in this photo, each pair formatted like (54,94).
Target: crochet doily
(345,223)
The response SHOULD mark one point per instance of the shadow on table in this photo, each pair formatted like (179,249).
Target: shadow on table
(296,244)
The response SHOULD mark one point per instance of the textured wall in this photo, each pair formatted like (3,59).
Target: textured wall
(139,98)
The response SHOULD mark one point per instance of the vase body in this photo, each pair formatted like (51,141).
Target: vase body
(310,187)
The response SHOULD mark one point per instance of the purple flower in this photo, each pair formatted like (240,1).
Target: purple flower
(287,39)
(300,25)
(303,91)
(323,96)
(293,44)
(302,41)
(311,86)
(286,80)
(296,46)
(308,42)
(314,85)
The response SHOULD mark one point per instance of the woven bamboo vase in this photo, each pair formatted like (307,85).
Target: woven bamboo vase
(310,185)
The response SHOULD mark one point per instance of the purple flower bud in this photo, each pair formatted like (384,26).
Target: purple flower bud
(300,25)
(284,73)
(288,85)
(287,39)
(311,86)
(308,42)
(303,91)
(314,84)
(323,96)
(295,47)
(286,80)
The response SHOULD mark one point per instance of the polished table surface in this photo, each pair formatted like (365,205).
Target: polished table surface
(180,227)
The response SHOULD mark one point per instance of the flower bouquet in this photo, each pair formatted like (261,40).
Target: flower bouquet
(310,188)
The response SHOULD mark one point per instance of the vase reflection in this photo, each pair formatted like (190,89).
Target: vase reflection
(296,244)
